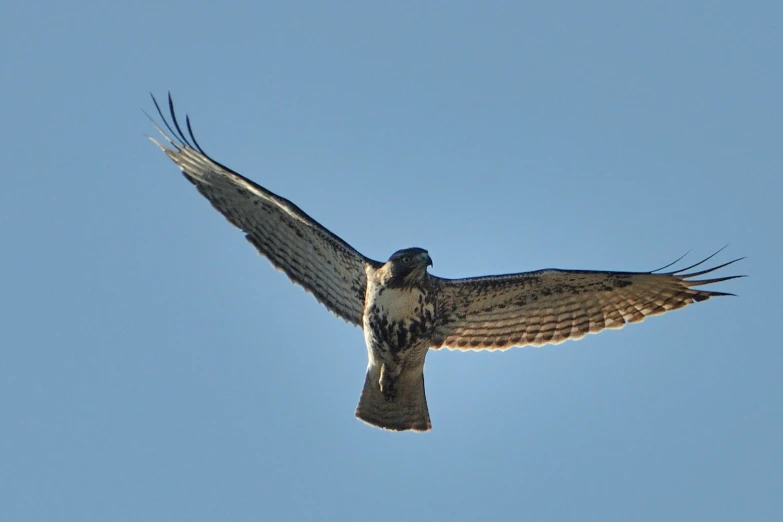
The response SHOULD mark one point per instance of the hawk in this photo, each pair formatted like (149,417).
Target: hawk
(404,310)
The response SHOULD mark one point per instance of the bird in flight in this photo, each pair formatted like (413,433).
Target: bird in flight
(404,310)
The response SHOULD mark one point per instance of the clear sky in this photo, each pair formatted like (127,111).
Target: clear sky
(154,368)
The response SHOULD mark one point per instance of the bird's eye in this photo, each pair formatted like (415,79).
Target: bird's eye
(406,259)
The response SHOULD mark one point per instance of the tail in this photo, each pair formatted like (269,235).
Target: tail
(407,410)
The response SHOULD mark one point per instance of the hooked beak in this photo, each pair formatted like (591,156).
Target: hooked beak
(428,259)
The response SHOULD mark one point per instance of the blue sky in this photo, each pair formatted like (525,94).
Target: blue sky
(155,368)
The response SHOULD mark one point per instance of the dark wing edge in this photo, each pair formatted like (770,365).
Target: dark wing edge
(551,306)
(293,242)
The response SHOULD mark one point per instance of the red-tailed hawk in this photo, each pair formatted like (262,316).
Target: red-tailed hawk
(404,311)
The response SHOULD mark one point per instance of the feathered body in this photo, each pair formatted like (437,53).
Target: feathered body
(405,311)
(399,320)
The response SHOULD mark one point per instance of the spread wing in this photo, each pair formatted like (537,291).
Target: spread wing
(308,253)
(550,306)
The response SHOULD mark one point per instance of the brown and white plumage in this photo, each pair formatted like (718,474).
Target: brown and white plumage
(403,310)
(294,243)
(551,306)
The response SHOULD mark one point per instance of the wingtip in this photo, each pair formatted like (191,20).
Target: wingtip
(681,270)
(156,142)
(672,263)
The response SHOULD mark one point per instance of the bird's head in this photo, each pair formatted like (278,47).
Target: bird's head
(408,266)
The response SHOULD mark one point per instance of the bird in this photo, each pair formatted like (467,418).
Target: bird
(403,310)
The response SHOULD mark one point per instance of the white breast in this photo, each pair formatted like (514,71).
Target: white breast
(398,303)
